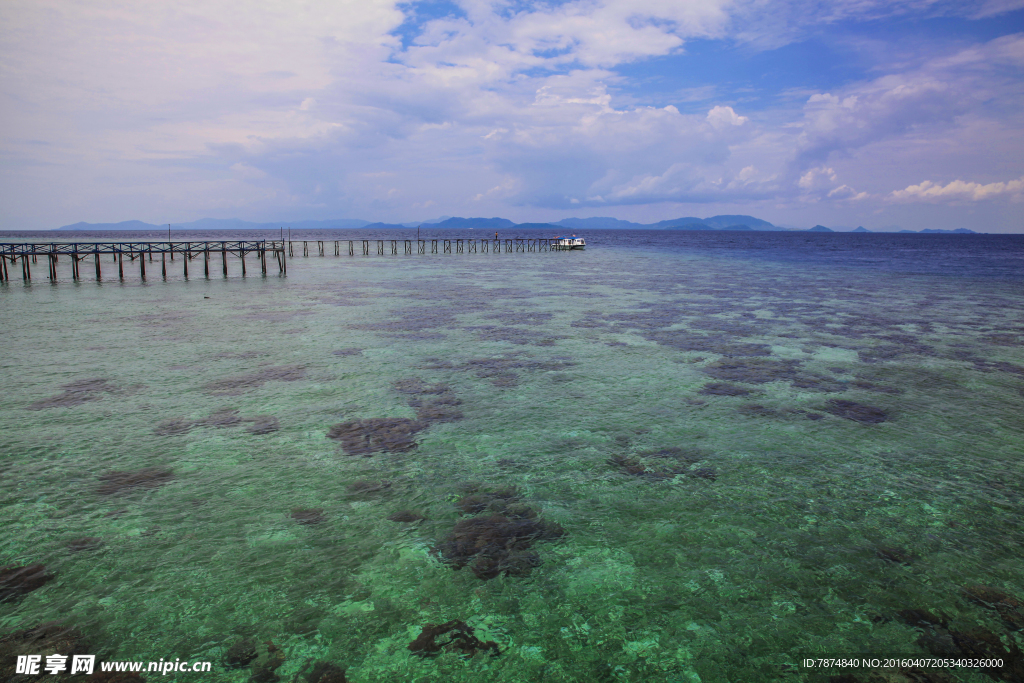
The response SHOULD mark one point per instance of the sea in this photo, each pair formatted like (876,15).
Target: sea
(671,456)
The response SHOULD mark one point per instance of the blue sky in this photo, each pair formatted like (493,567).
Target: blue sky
(799,112)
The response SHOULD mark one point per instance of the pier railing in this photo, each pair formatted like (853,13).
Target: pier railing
(29,253)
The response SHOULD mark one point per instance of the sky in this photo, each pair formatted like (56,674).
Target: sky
(844,113)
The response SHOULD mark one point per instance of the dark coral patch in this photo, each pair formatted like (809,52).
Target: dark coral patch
(723,389)
(414,385)
(85,543)
(894,554)
(18,581)
(406,516)
(146,478)
(858,412)
(262,424)
(174,426)
(496,502)
(44,639)
(308,515)
(366,486)
(452,636)
(350,351)
(752,370)
(230,386)
(877,388)
(325,672)
(664,464)
(1007,606)
(757,410)
(921,618)
(76,393)
(388,434)
(240,653)
(444,408)
(222,417)
(496,544)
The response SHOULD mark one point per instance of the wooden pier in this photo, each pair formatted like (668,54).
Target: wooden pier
(77,252)
(143,252)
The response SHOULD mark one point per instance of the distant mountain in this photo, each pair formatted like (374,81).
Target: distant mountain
(386,226)
(224,224)
(597,224)
(820,228)
(677,222)
(478,223)
(721,222)
(860,228)
(416,224)
(541,226)
(123,225)
(958,231)
(691,226)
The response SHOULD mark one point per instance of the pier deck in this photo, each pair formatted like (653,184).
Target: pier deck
(29,252)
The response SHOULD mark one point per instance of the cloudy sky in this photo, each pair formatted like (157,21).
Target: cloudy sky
(845,113)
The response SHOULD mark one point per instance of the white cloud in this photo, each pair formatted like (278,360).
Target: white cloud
(722,117)
(958,190)
(317,104)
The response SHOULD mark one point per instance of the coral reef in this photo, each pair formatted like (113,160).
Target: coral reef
(84,543)
(723,389)
(406,516)
(173,426)
(499,541)
(76,393)
(220,418)
(858,412)
(452,636)
(665,463)
(362,486)
(308,515)
(325,672)
(262,424)
(1009,608)
(388,434)
(230,386)
(146,478)
(240,653)
(18,581)
(44,639)
(752,370)
(894,554)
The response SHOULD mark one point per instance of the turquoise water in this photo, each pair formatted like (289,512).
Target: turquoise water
(753,461)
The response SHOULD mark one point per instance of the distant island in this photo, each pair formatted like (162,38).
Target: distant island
(726,222)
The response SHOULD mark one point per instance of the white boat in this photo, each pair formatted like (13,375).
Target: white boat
(573,242)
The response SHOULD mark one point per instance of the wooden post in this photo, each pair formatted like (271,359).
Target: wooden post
(284,262)
(96,256)
(142,264)
(163,264)
(224,257)
(242,253)
(74,265)
(170,248)
(263,258)
(26,270)
(120,264)
(206,260)
(188,257)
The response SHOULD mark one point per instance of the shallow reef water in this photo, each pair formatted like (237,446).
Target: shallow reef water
(674,458)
